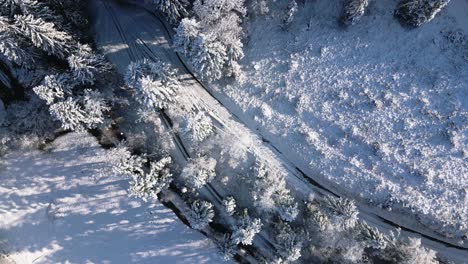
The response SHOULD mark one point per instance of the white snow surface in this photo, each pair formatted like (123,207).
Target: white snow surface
(66,206)
(378,110)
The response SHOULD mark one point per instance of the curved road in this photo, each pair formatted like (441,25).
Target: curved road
(127,32)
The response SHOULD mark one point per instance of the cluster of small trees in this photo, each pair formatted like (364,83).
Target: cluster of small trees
(146,181)
(211,38)
(411,13)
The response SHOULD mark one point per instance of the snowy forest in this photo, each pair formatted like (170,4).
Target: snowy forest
(249,131)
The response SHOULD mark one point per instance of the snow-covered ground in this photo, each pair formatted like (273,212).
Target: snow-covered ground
(118,39)
(378,111)
(64,205)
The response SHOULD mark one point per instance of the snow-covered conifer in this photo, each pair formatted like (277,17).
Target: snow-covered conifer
(344,212)
(218,46)
(43,35)
(201,214)
(12,51)
(30,117)
(69,113)
(246,228)
(198,172)
(84,65)
(227,246)
(186,32)
(126,163)
(372,236)
(150,184)
(409,251)
(154,83)
(353,11)
(46,94)
(229,205)
(417,12)
(53,87)
(95,108)
(287,207)
(288,242)
(211,11)
(199,127)
(317,218)
(289,13)
(208,57)
(174,9)
(269,185)
(11,7)
(234,53)
(259,7)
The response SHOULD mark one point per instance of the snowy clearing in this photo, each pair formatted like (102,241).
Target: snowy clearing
(377,110)
(65,205)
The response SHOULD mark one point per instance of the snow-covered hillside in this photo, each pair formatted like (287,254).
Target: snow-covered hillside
(65,205)
(378,110)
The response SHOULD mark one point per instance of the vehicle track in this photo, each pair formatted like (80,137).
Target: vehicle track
(169,126)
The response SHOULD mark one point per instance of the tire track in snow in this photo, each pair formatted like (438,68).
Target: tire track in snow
(169,124)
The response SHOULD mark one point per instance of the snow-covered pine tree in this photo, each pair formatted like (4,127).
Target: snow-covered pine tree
(344,213)
(227,246)
(53,88)
(229,204)
(43,35)
(289,13)
(353,11)
(246,228)
(125,163)
(218,45)
(11,50)
(409,251)
(155,84)
(287,207)
(288,242)
(198,172)
(174,9)
(10,46)
(371,236)
(259,7)
(317,218)
(414,13)
(95,108)
(199,127)
(211,12)
(85,64)
(186,33)
(31,117)
(201,214)
(208,57)
(149,185)
(69,113)
(40,9)
(12,7)
(269,185)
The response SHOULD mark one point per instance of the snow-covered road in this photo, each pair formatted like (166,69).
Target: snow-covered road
(126,32)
